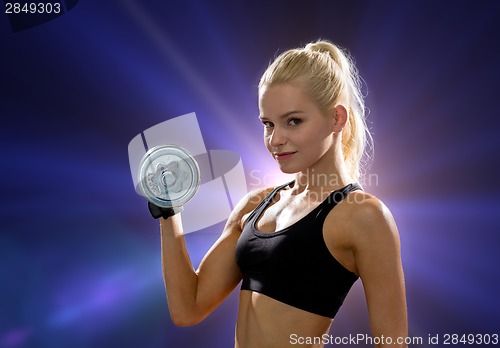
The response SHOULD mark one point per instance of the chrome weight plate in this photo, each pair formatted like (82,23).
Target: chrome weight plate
(168,176)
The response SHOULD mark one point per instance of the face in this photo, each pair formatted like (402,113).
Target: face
(296,133)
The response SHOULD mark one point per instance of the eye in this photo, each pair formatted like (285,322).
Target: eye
(268,124)
(294,121)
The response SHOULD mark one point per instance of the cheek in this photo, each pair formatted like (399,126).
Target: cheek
(265,138)
(318,134)
(318,140)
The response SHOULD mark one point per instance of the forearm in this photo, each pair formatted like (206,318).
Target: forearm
(178,273)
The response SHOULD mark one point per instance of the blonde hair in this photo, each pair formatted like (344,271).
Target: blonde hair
(330,77)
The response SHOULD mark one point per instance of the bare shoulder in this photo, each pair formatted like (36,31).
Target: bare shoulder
(361,229)
(366,208)
(366,219)
(246,205)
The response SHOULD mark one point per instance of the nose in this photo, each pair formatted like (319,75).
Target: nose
(277,138)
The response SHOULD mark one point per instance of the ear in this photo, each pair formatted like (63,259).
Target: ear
(340,116)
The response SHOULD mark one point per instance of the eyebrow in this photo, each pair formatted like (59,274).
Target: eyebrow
(286,114)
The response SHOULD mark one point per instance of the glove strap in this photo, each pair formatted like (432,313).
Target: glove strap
(157,212)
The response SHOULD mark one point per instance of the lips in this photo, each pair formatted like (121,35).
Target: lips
(281,156)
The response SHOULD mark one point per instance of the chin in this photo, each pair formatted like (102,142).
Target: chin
(288,170)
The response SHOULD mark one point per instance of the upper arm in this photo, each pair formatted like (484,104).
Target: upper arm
(218,273)
(376,248)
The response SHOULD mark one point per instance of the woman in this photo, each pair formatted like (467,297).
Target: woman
(299,247)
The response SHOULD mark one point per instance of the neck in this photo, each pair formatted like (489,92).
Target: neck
(328,174)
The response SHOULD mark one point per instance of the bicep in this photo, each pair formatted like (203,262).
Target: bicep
(378,261)
(218,273)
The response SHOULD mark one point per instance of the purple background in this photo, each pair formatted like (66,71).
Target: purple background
(79,254)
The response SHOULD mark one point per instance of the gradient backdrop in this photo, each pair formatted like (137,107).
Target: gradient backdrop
(79,253)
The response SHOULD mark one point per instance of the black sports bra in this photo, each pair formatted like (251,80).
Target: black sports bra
(294,265)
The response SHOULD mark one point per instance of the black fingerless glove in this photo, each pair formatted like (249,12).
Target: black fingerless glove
(156,211)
